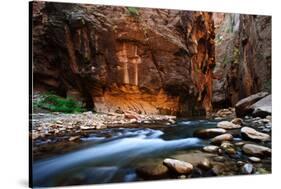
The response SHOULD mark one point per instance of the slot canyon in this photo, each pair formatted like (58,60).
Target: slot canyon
(154,62)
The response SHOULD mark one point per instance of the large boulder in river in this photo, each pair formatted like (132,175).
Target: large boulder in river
(209,133)
(252,134)
(256,150)
(228,125)
(263,107)
(243,107)
(180,167)
(219,139)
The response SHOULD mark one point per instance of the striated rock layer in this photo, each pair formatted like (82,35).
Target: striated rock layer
(146,60)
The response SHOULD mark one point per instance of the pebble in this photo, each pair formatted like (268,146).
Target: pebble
(58,122)
(73,138)
(247,168)
(254,159)
(211,149)
(240,163)
(239,143)
(237,121)
(182,177)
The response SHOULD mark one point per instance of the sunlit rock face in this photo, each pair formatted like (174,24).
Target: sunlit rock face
(148,60)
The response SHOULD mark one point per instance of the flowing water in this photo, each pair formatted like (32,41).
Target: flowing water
(112,155)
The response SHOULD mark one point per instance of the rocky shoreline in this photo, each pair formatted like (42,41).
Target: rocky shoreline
(47,126)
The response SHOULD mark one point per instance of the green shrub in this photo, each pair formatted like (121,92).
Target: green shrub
(56,103)
(133,11)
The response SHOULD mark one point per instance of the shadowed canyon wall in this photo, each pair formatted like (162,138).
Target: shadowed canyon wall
(243,57)
(116,58)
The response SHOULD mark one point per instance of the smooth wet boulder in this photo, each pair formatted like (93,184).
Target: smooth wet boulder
(256,150)
(211,149)
(209,133)
(180,167)
(152,171)
(252,134)
(263,107)
(243,107)
(228,125)
(219,139)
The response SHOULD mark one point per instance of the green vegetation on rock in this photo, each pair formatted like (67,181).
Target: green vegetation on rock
(54,103)
(133,11)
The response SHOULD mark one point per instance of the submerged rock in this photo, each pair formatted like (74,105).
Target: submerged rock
(227,125)
(219,158)
(209,133)
(219,139)
(256,150)
(180,167)
(250,133)
(152,171)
